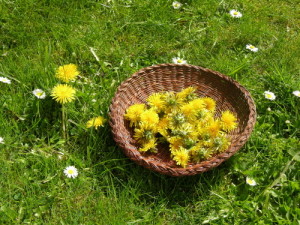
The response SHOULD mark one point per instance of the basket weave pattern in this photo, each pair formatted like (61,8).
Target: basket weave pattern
(228,94)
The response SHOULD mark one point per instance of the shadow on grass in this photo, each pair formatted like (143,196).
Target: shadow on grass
(123,175)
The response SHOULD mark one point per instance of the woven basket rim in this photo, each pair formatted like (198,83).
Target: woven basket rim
(131,152)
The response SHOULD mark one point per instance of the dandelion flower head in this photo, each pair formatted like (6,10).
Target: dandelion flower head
(210,104)
(156,100)
(96,122)
(178,60)
(187,94)
(228,121)
(67,72)
(39,93)
(269,95)
(149,116)
(5,80)
(235,14)
(71,172)
(252,48)
(250,181)
(63,93)
(144,133)
(296,93)
(133,113)
(176,5)
(149,145)
(181,157)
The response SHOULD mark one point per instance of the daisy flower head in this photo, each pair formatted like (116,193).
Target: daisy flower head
(250,181)
(1,140)
(67,72)
(63,93)
(296,93)
(5,80)
(71,172)
(178,60)
(39,93)
(96,122)
(176,5)
(235,14)
(252,48)
(269,95)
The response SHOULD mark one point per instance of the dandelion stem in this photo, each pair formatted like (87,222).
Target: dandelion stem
(64,120)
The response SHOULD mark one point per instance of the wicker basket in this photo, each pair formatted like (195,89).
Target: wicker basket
(228,94)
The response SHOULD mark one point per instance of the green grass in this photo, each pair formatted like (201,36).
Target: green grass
(38,36)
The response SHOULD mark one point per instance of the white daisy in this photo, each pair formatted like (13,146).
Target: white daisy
(176,5)
(252,48)
(71,172)
(39,93)
(178,60)
(235,14)
(1,140)
(5,80)
(269,95)
(296,93)
(250,181)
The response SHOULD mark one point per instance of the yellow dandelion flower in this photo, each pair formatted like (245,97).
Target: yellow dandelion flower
(172,101)
(162,126)
(187,94)
(149,116)
(189,111)
(198,104)
(199,152)
(95,122)
(156,101)
(181,157)
(228,121)
(175,143)
(144,133)
(214,128)
(210,104)
(63,93)
(149,145)
(183,130)
(176,119)
(220,143)
(134,112)
(67,72)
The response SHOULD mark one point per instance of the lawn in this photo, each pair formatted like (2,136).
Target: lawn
(109,40)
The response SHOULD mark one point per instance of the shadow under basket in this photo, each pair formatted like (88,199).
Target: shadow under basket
(228,94)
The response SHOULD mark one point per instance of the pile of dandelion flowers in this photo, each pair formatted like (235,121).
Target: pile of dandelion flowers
(67,73)
(63,93)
